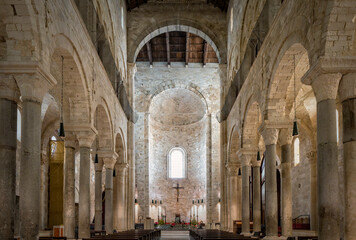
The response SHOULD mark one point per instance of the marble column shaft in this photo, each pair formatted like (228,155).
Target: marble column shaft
(270,136)
(69,190)
(109,164)
(256,197)
(98,196)
(209,184)
(121,196)
(8,145)
(84,193)
(287,224)
(348,97)
(245,203)
(30,171)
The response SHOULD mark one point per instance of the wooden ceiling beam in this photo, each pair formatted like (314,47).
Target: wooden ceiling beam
(187,44)
(149,53)
(205,53)
(168,50)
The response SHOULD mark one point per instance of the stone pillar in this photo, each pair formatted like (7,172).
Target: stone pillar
(131,71)
(285,139)
(233,194)
(9,96)
(109,163)
(69,187)
(209,184)
(121,195)
(33,87)
(313,191)
(270,136)
(98,195)
(246,156)
(348,98)
(85,139)
(325,88)
(256,166)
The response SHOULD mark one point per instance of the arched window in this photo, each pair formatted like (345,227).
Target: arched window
(296,151)
(122,17)
(177,163)
(231,19)
(337,126)
(18,133)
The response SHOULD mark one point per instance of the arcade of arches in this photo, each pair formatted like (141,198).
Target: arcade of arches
(238,115)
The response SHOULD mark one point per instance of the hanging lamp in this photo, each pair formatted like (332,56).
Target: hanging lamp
(258,156)
(96,159)
(61,125)
(295,124)
(239,174)
(114,173)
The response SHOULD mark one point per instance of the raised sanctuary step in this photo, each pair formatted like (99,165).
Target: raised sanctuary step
(174,233)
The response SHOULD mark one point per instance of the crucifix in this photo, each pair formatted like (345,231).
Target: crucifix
(177,187)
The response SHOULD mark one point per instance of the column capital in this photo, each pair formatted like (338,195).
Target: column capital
(233,169)
(8,88)
(285,136)
(269,134)
(131,70)
(70,140)
(122,167)
(85,136)
(347,88)
(32,79)
(246,156)
(109,158)
(256,163)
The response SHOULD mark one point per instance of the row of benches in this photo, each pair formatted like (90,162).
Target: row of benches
(137,234)
(204,234)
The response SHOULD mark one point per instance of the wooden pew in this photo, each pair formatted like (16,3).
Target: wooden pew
(138,234)
(216,235)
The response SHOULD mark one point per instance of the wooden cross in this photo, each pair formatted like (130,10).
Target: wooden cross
(177,187)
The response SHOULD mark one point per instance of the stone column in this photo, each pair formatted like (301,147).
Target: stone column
(270,136)
(246,156)
(348,98)
(131,71)
(121,195)
(98,195)
(33,87)
(285,139)
(209,184)
(233,194)
(85,139)
(256,166)
(9,96)
(313,191)
(69,187)
(109,163)
(325,88)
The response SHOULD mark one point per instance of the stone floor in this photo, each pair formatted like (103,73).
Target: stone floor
(176,235)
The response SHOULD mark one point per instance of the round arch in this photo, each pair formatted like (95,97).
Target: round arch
(102,123)
(172,28)
(234,145)
(120,147)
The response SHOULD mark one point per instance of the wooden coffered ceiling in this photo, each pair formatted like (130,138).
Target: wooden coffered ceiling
(177,47)
(222,4)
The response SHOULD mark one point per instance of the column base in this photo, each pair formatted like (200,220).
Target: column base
(246,234)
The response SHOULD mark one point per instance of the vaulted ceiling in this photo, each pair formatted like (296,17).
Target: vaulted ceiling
(177,47)
(222,4)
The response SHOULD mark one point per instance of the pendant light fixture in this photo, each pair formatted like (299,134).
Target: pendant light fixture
(114,173)
(258,156)
(239,174)
(96,159)
(61,125)
(295,124)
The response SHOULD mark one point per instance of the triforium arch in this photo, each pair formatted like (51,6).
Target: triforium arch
(181,28)
(234,145)
(290,66)
(76,99)
(251,122)
(120,147)
(103,124)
